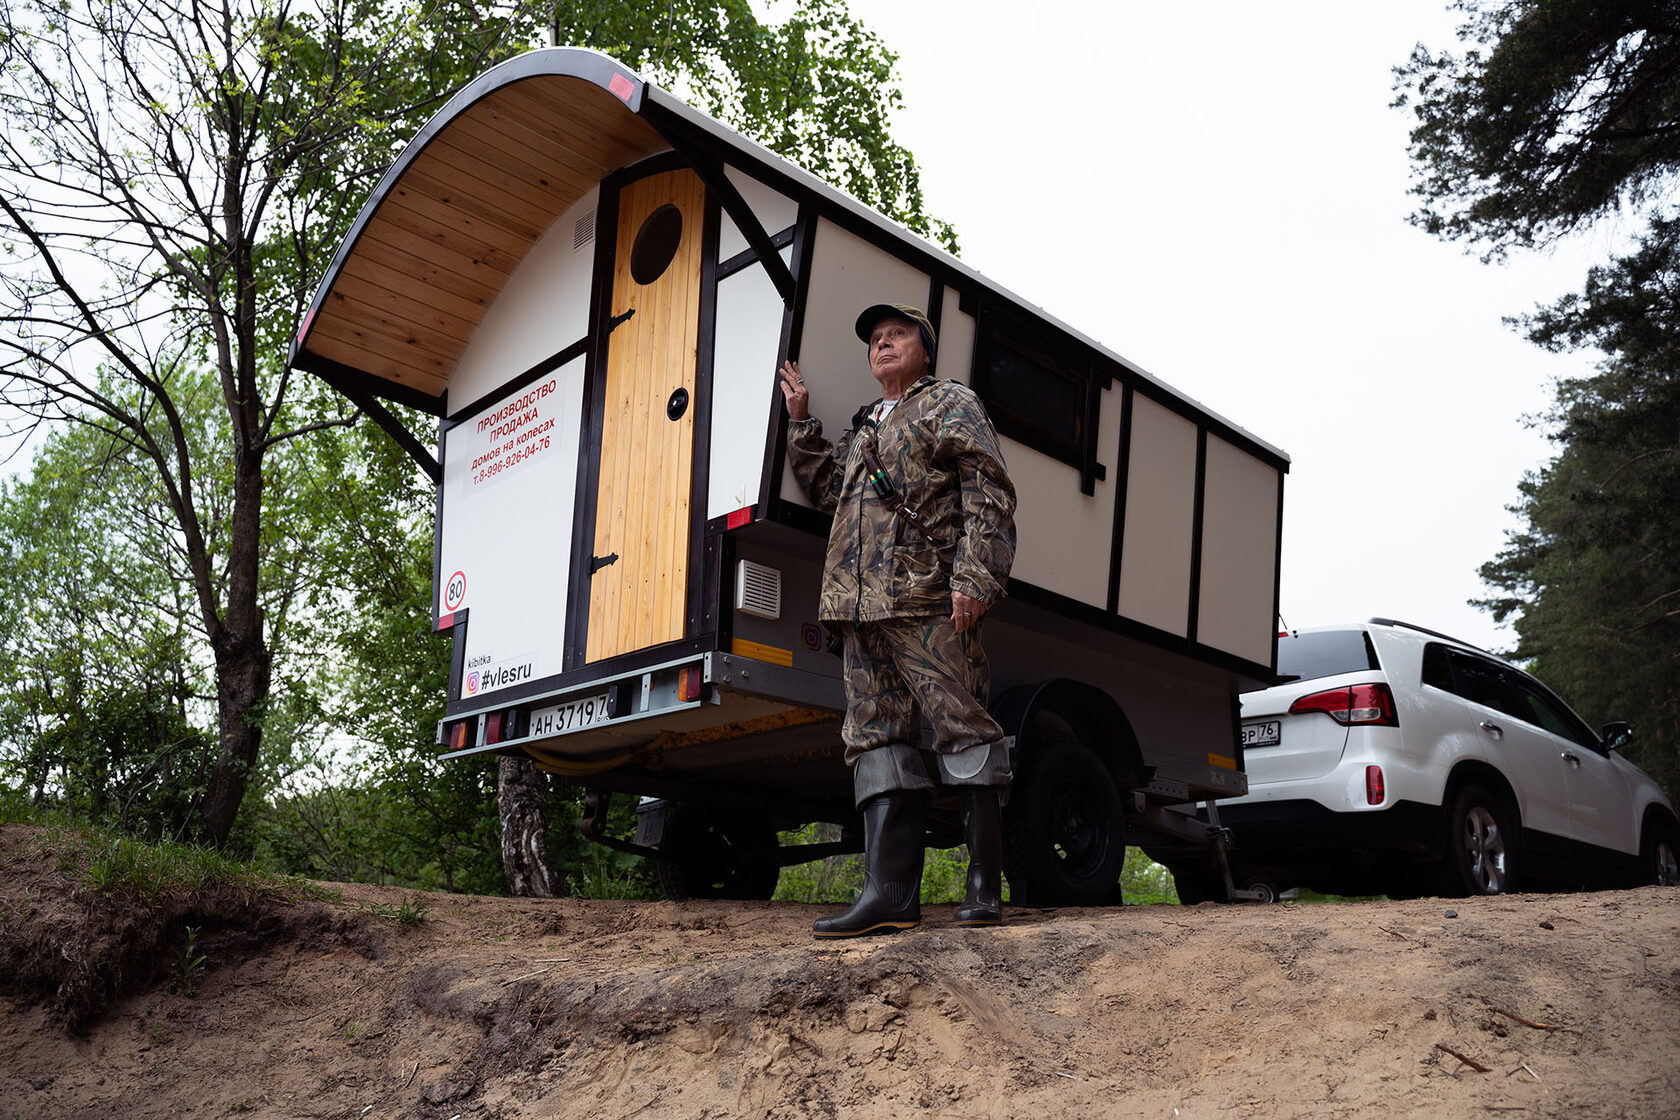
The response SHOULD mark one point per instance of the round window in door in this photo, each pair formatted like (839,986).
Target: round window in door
(656,244)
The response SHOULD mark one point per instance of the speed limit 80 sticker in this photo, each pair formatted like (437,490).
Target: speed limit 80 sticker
(455,591)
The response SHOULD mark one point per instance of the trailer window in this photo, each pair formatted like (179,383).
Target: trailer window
(1038,394)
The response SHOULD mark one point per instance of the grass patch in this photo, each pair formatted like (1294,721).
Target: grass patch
(409,912)
(154,869)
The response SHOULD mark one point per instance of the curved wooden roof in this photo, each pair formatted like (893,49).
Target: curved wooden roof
(508,155)
(462,205)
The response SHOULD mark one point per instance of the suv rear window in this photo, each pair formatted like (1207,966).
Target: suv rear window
(1326,653)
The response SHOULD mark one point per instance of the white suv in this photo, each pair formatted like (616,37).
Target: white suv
(1396,760)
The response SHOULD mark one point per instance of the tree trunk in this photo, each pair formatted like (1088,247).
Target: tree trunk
(242,685)
(521,791)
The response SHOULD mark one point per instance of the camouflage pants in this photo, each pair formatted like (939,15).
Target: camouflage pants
(900,666)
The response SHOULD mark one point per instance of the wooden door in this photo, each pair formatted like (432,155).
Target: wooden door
(642,504)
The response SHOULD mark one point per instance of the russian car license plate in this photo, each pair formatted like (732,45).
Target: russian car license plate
(1265,734)
(574,715)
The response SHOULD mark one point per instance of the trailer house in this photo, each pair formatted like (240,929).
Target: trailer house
(591,284)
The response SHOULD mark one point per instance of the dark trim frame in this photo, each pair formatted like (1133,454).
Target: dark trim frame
(701,615)
(748,257)
(793,330)
(1122,480)
(589,424)
(710,167)
(1198,522)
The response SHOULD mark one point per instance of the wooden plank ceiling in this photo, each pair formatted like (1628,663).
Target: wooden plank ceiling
(453,227)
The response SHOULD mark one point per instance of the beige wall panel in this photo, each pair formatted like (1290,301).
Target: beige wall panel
(1064,538)
(956,341)
(847,275)
(775,212)
(1160,512)
(543,308)
(1239,553)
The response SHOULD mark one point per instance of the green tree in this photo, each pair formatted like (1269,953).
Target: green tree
(1556,115)
(1594,578)
(171,176)
(96,719)
(173,179)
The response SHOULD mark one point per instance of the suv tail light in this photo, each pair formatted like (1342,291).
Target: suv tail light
(1357,703)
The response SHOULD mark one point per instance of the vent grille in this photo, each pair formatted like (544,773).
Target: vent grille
(758,590)
(584,232)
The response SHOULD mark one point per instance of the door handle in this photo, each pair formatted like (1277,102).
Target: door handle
(1569,757)
(1493,729)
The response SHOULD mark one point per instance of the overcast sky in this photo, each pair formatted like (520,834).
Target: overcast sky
(1218,192)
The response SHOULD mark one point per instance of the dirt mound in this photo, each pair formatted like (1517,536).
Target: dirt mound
(1539,1005)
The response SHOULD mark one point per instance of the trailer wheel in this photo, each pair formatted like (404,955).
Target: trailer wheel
(712,855)
(1064,828)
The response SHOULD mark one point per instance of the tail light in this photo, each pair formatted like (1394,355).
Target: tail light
(1375,791)
(688,684)
(1363,704)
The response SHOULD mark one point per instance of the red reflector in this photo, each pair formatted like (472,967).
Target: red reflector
(493,727)
(1374,789)
(739,518)
(444,622)
(688,684)
(1357,703)
(620,87)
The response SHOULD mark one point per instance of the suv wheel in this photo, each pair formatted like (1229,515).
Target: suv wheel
(1659,855)
(1481,843)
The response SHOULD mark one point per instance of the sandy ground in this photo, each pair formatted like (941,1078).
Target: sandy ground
(1527,1005)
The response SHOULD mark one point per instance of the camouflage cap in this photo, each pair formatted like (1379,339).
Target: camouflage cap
(876,312)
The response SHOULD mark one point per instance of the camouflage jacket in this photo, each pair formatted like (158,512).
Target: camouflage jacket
(940,452)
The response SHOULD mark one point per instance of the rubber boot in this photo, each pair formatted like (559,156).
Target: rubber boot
(982,820)
(892,861)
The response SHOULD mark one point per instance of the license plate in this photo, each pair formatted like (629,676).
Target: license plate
(1266,734)
(573,715)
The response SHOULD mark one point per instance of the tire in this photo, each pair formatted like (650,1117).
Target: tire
(1064,829)
(1659,855)
(714,855)
(1480,848)
(1264,884)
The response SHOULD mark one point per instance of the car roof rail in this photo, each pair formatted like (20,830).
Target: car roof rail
(1431,633)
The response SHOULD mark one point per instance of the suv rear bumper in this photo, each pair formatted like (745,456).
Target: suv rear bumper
(1298,832)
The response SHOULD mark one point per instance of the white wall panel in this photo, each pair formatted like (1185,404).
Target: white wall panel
(543,308)
(1160,513)
(509,487)
(1239,553)
(749,331)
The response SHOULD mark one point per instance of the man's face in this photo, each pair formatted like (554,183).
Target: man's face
(896,355)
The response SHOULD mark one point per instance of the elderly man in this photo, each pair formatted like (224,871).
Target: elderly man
(923,538)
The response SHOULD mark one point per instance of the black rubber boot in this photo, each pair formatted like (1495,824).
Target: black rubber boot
(892,861)
(982,818)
